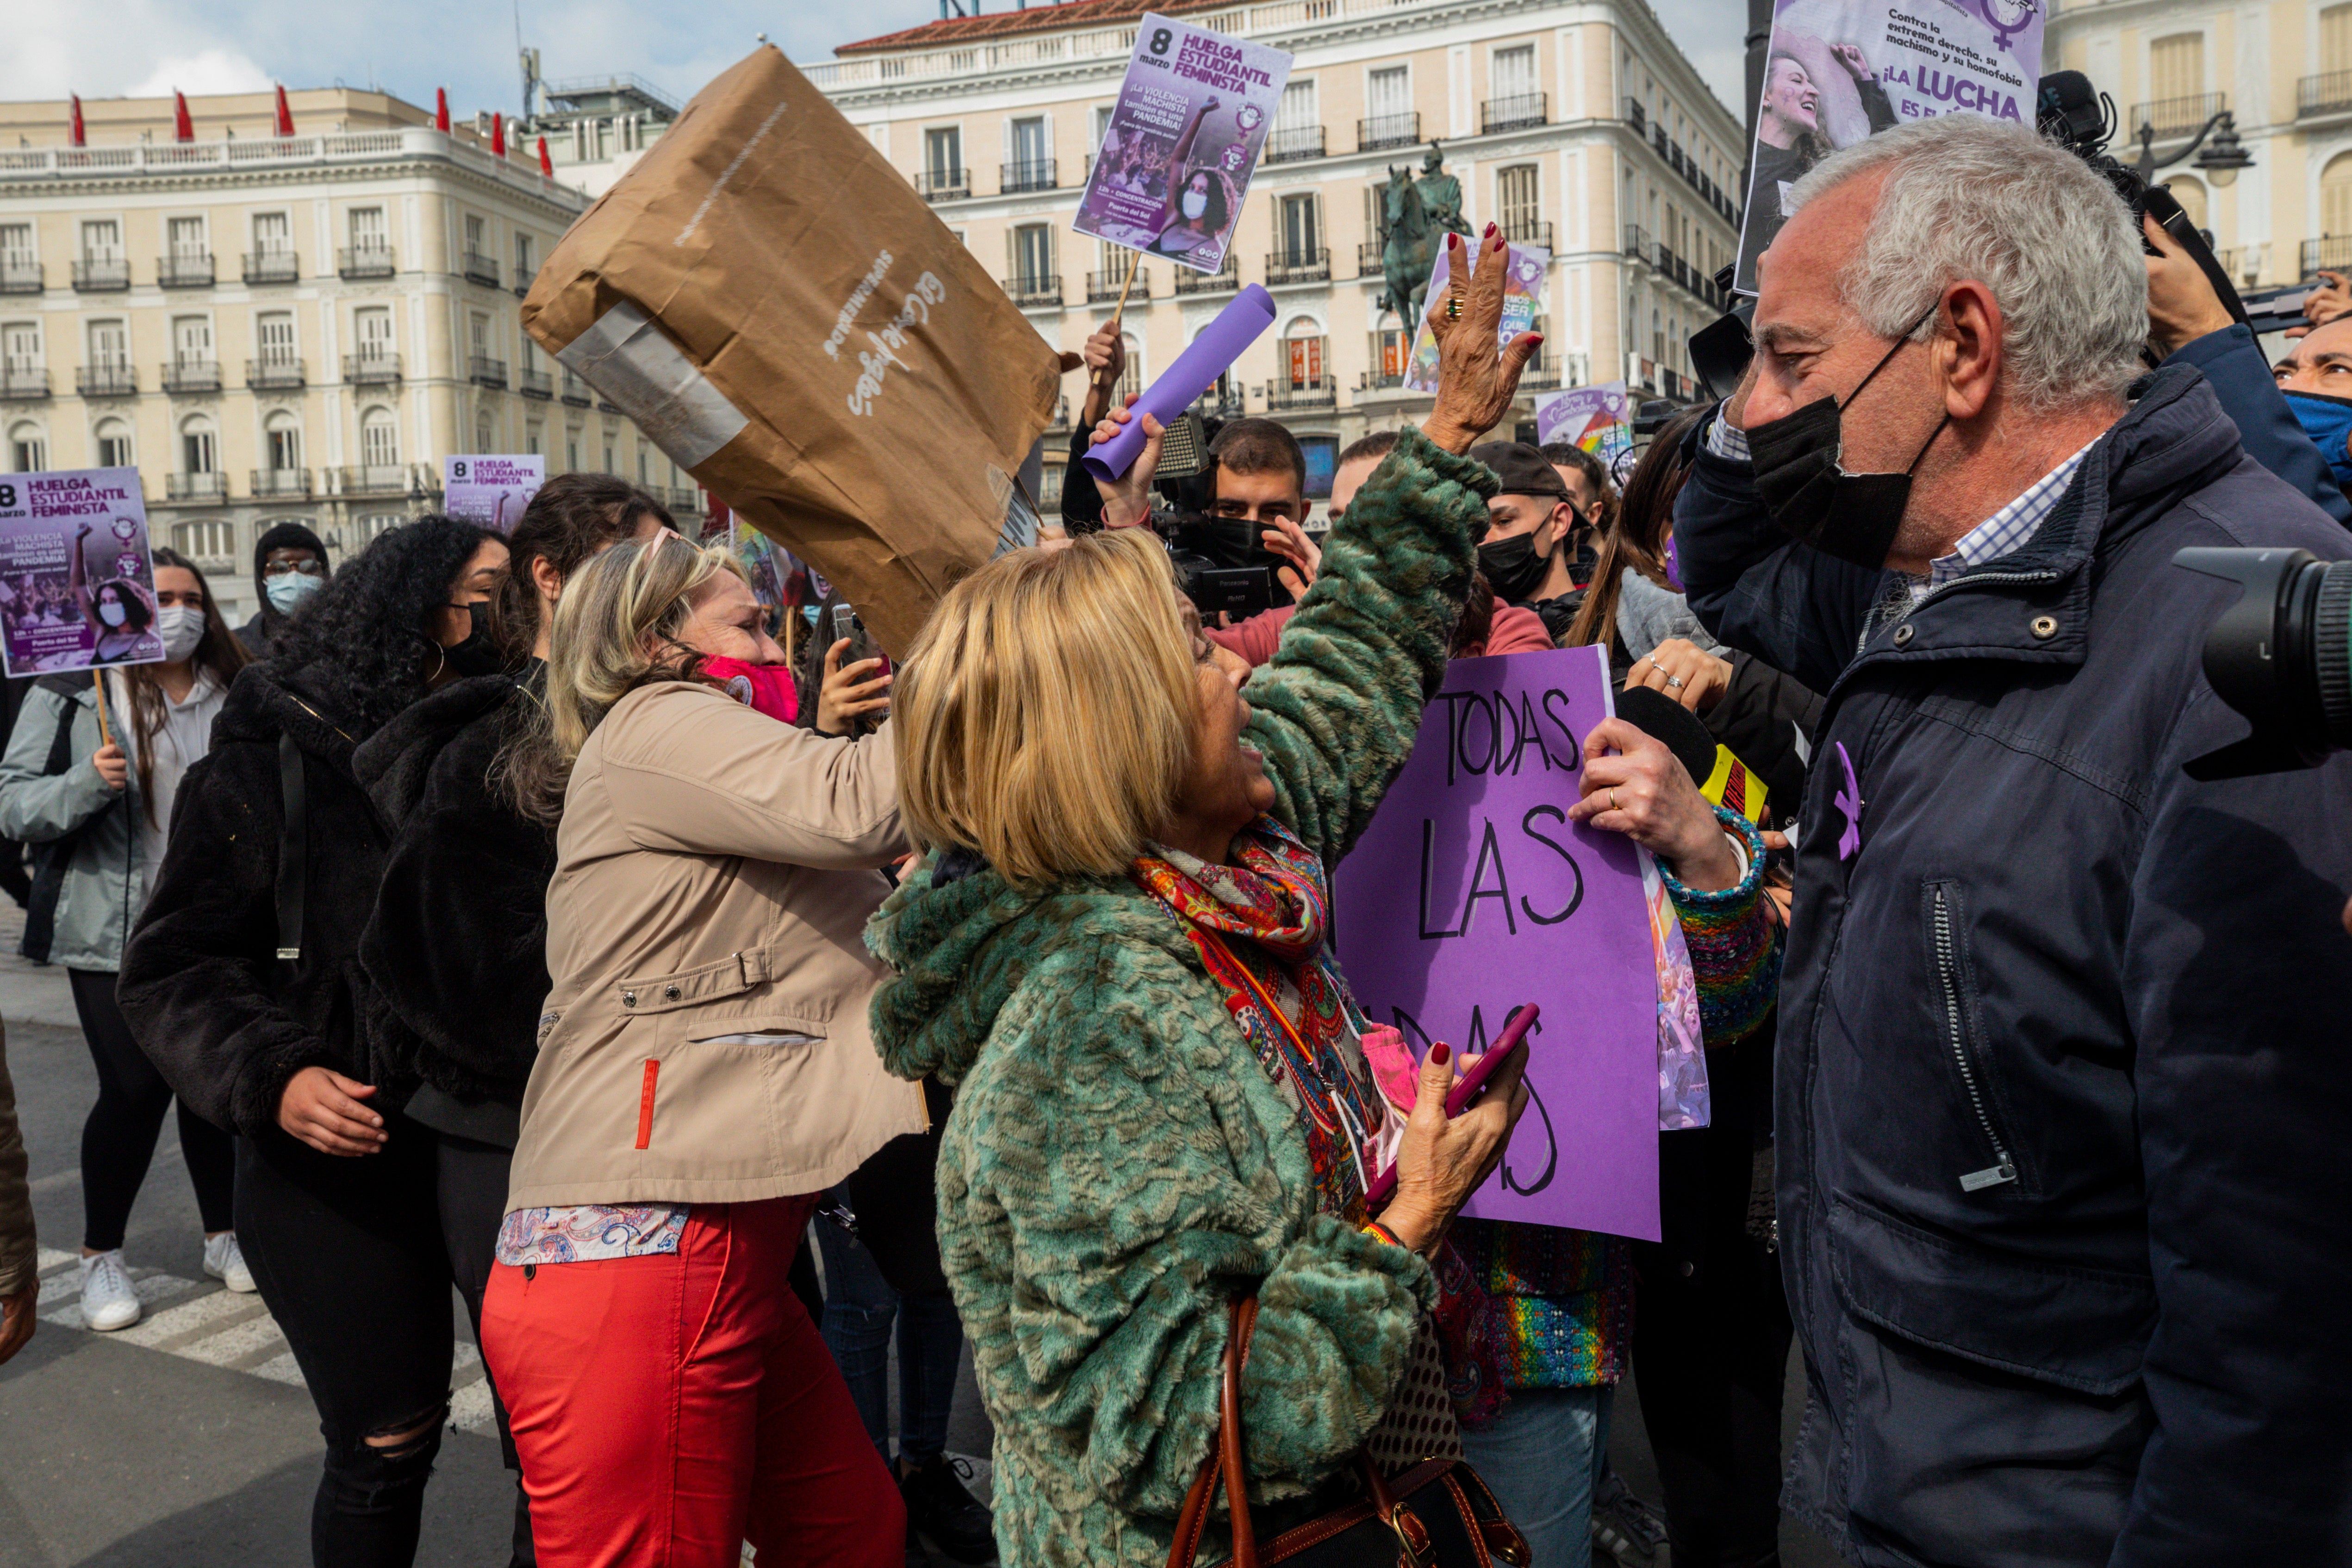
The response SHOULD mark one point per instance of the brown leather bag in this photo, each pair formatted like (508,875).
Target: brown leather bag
(1438,1515)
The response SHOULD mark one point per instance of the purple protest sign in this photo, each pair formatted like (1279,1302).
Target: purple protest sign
(1183,140)
(1598,419)
(491,491)
(77,579)
(1220,343)
(1470,893)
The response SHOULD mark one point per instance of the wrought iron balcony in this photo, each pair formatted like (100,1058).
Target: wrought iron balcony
(273,267)
(1317,394)
(1030,293)
(1637,117)
(105,276)
(106,381)
(1298,141)
(1514,113)
(2336,255)
(535,383)
(484,371)
(380,479)
(1368,259)
(2183,116)
(943,184)
(196,486)
(281,482)
(1299,267)
(364,262)
(1542,374)
(1215,405)
(1102,287)
(279,374)
(1224,281)
(576,391)
(1389,130)
(1528,231)
(183,376)
(21,383)
(2329,92)
(190,269)
(479,269)
(1035,175)
(370,369)
(19,274)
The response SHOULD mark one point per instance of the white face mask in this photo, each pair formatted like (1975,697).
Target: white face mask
(182,627)
(1195,203)
(112,613)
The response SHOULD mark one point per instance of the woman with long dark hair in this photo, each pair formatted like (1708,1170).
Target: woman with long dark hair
(121,616)
(115,799)
(244,983)
(456,952)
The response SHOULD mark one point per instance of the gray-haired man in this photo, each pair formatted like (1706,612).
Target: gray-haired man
(2064,1097)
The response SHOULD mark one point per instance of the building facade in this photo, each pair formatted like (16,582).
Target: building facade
(2284,72)
(1576,124)
(281,328)
(596,128)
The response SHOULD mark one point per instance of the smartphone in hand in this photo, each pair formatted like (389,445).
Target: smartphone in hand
(1467,1091)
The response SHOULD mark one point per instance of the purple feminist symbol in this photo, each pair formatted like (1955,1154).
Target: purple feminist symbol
(1849,800)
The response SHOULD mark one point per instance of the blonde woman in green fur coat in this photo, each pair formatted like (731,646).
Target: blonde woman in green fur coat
(1125,884)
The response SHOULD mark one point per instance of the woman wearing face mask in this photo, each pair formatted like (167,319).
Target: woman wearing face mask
(242,979)
(117,802)
(1197,203)
(456,950)
(120,617)
(704,1073)
(289,564)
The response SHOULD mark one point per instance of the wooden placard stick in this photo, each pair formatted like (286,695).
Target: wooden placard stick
(98,682)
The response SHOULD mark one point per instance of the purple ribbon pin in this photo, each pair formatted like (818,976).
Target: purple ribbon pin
(1849,800)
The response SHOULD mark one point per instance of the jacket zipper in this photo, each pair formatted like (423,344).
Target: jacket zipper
(1870,628)
(1947,969)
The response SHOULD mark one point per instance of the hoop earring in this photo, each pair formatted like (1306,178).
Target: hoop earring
(440,661)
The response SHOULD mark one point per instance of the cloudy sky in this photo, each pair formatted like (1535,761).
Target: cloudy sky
(108,47)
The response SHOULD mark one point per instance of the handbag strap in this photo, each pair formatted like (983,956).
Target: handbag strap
(1224,1463)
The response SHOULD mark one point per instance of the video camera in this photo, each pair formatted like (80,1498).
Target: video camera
(2281,656)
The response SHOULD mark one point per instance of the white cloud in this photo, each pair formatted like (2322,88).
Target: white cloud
(208,70)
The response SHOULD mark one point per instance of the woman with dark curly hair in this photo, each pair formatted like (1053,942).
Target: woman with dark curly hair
(242,979)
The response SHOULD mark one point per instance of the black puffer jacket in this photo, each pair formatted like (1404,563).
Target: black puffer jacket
(225,1020)
(457,949)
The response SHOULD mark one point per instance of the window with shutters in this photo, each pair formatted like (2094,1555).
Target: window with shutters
(1389,92)
(101,240)
(20,347)
(526,261)
(192,343)
(368,230)
(482,435)
(1297,123)
(2176,66)
(110,345)
(214,540)
(199,448)
(379,438)
(944,154)
(273,234)
(114,445)
(284,438)
(16,241)
(1514,73)
(185,237)
(1301,233)
(2335,39)
(1032,255)
(1518,205)
(1304,344)
(372,328)
(276,331)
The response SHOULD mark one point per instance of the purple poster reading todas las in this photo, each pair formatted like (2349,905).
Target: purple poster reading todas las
(1470,893)
(77,582)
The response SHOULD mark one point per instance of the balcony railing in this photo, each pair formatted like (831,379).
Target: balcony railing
(479,269)
(1368,259)
(274,375)
(1224,281)
(484,371)
(1317,394)
(20,275)
(1029,293)
(1542,374)
(1061,413)
(281,482)
(1528,231)
(106,381)
(1512,113)
(19,382)
(192,376)
(2169,117)
(524,277)
(1387,130)
(370,369)
(576,391)
(104,276)
(1653,253)
(2330,92)
(189,270)
(1299,267)
(1637,117)
(379,480)
(685,498)
(2333,253)
(364,262)
(1380,381)
(196,486)
(273,267)
(535,383)
(1230,403)
(943,184)
(1298,141)
(1105,286)
(1036,175)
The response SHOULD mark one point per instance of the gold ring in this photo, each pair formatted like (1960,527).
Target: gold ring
(1454,307)
(1612,802)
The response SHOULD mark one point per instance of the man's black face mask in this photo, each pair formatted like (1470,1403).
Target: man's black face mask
(1853,517)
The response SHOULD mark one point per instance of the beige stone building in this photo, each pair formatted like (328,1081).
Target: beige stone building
(1577,124)
(2282,70)
(281,328)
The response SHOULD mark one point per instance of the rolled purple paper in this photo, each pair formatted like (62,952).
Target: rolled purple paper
(1196,370)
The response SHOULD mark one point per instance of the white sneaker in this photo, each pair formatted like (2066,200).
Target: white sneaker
(107,1301)
(225,1261)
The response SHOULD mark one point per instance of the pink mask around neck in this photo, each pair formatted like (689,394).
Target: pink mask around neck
(766,686)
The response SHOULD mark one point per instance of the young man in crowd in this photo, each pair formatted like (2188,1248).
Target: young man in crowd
(2062,1070)
(1589,492)
(1531,520)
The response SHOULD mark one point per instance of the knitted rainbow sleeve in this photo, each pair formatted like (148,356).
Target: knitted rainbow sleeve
(1735,945)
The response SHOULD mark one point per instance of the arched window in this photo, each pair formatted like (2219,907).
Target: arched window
(199,445)
(282,442)
(114,448)
(379,438)
(28,448)
(1302,343)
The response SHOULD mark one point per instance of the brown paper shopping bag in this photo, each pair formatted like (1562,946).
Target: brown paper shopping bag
(782,315)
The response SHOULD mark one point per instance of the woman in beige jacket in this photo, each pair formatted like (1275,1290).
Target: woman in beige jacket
(704,1073)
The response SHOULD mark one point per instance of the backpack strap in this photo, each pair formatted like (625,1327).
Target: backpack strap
(293,850)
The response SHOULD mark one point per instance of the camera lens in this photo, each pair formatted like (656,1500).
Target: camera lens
(2282,656)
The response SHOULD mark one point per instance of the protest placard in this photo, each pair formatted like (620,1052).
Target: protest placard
(76,577)
(1470,893)
(1840,70)
(1598,419)
(1183,140)
(491,491)
(1523,288)
(775,307)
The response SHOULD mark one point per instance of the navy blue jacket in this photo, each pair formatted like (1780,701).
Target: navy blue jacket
(2063,1100)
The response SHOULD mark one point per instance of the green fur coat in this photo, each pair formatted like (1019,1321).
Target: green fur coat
(1117,1165)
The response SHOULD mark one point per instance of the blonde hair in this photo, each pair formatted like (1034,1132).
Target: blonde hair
(618,627)
(1045,715)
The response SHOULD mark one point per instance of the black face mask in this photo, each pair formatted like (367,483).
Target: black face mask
(1853,517)
(1512,567)
(477,655)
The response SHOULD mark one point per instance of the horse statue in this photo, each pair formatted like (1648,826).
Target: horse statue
(1409,228)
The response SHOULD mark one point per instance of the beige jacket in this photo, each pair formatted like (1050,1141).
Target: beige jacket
(714,870)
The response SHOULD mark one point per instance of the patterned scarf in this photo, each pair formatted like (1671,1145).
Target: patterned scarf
(1278,898)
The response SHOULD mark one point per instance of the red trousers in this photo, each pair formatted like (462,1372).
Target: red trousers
(670,1407)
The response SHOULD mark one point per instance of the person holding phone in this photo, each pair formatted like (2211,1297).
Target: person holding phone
(1116,948)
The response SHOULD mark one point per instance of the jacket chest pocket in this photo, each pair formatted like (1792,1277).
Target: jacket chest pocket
(1952,977)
